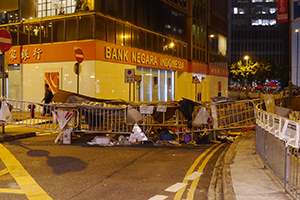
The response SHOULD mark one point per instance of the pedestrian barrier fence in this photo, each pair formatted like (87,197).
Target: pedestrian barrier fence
(277,143)
(183,117)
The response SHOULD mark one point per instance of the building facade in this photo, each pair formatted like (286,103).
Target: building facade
(146,51)
(254,31)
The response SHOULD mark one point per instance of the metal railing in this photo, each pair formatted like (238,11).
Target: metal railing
(277,143)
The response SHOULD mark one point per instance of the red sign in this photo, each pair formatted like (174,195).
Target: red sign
(195,80)
(5,40)
(79,55)
(282,11)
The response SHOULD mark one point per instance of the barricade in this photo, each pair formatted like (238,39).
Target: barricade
(277,143)
(31,114)
(201,119)
(102,119)
(184,117)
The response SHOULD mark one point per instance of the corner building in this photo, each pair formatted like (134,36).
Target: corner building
(175,48)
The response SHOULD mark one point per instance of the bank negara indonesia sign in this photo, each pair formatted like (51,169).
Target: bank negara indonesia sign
(142,58)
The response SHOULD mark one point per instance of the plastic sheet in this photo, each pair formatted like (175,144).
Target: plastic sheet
(133,115)
(203,117)
(270,103)
(5,113)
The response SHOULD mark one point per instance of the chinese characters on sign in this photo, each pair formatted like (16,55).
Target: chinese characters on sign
(12,55)
(25,54)
(282,7)
(37,53)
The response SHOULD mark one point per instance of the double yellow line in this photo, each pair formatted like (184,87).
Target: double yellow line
(191,192)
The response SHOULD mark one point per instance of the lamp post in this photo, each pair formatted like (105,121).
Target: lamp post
(246,58)
(297,32)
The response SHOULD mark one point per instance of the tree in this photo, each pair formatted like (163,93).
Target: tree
(242,73)
(258,72)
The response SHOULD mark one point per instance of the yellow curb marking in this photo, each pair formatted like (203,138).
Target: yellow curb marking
(28,185)
(191,170)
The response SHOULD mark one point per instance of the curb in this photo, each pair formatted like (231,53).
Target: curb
(4,137)
(228,191)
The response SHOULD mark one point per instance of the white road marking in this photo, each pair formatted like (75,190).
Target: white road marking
(176,187)
(158,197)
(193,176)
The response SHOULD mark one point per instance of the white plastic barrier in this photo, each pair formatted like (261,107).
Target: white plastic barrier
(277,143)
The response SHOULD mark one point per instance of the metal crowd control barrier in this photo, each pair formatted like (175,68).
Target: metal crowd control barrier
(116,118)
(36,115)
(277,143)
(224,115)
(31,114)
(102,119)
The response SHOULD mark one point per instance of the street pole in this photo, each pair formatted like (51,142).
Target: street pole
(297,32)
(3,82)
(290,52)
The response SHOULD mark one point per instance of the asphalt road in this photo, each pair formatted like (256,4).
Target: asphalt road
(37,168)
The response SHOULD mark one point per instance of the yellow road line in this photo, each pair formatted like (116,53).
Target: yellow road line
(14,191)
(4,171)
(27,184)
(195,182)
(191,170)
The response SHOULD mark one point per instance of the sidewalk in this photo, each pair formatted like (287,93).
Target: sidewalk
(14,132)
(246,178)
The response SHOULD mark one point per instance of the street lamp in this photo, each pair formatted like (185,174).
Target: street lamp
(297,32)
(246,58)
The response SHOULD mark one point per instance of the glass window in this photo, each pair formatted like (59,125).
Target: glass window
(24,31)
(134,37)
(86,27)
(111,31)
(35,33)
(155,42)
(156,84)
(71,28)
(46,8)
(119,33)
(14,82)
(46,28)
(13,30)
(127,35)
(149,41)
(100,27)
(142,39)
(58,30)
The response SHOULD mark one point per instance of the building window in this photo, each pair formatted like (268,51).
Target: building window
(156,84)
(46,8)
(235,10)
